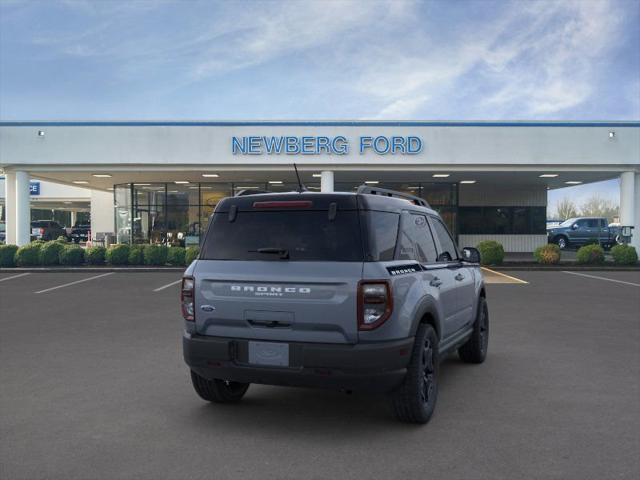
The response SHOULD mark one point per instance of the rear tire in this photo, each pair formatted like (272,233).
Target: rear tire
(218,391)
(475,349)
(415,400)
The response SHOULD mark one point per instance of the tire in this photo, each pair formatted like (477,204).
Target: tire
(218,391)
(415,400)
(562,242)
(475,349)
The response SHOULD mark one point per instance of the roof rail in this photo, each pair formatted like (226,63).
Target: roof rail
(249,191)
(392,193)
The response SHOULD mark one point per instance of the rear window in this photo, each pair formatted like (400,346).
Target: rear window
(293,235)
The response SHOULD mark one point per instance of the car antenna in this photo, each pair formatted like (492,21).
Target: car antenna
(301,187)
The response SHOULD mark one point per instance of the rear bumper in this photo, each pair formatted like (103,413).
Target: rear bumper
(378,367)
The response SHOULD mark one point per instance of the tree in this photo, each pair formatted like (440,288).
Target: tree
(565,209)
(596,206)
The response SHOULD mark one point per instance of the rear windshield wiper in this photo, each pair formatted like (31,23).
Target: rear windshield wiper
(283,252)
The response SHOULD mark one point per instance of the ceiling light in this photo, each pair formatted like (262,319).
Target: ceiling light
(101,175)
(193,188)
(468,181)
(80,182)
(549,175)
(172,191)
(181,182)
(275,182)
(371,182)
(67,203)
(141,184)
(573,182)
(440,175)
(317,175)
(210,175)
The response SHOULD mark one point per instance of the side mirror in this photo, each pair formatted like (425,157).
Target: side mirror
(574,226)
(471,255)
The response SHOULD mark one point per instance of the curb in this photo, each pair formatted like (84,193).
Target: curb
(91,269)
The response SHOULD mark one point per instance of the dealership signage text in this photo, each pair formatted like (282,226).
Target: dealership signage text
(312,145)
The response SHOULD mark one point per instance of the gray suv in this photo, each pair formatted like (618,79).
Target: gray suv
(352,291)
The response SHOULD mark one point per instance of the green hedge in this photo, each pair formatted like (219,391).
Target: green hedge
(624,255)
(191,253)
(29,255)
(590,254)
(8,255)
(176,256)
(117,254)
(491,252)
(50,253)
(155,255)
(136,255)
(72,255)
(547,254)
(95,255)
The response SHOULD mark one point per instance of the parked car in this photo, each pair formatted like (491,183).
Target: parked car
(353,291)
(46,230)
(3,232)
(80,232)
(580,231)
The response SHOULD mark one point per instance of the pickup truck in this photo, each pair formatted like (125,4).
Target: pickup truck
(576,232)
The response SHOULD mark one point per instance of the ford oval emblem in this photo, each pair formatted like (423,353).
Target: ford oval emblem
(207,308)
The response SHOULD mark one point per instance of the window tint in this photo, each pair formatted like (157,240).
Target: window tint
(304,235)
(416,242)
(503,220)
(383,233)
(593,223)
(581,223)
(447,247)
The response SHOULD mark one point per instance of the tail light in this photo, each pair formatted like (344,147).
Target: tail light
(41,230)
(186,299)
(375,304)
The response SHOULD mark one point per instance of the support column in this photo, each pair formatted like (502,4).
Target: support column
(326,181)
(629,204)
(73,218)
(22,208)
(10,206)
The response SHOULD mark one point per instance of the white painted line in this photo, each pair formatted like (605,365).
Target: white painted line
(516,280)
(74,283)
(168,285)
(14,276)
(603,278)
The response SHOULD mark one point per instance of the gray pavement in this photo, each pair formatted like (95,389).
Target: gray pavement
(93,386)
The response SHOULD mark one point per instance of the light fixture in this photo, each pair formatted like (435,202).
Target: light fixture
(67,203)
(612,134)
(41,133)
(317,175)
(80,182)
(275,182)
(468,181)
(193,188)
(210,175)
(573,182)
(440,175)
(101,175)
(181,182)
(371,182)
(141,184)
(549,175)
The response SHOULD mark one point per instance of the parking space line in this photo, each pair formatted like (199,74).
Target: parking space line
(168,285)
(74,283)
(603,278)
(14,276)
(514,279)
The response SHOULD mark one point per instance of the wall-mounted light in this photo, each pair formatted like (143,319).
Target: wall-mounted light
(612,134)
(41,133)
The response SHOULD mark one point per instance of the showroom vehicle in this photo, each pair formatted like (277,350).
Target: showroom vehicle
(47,230)
(576,232)
(353,291)
(80,232)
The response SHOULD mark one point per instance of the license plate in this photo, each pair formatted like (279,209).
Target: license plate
(269,353)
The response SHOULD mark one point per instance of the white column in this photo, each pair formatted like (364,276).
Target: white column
(10,206)
(326,181)
(73,218)
(629,205)
(102,213)
(23,208)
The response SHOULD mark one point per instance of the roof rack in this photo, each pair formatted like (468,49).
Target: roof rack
(392,193)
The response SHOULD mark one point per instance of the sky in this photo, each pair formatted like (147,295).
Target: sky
(388,60)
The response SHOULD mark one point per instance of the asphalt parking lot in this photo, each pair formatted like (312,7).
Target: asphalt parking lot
(93,386)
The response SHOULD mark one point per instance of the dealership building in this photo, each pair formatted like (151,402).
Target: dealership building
(160,181)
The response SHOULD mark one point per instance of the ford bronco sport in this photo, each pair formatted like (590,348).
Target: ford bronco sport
(353,291)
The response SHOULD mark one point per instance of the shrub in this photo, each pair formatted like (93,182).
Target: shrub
(95,255)
(190,254)
(50,253)
(29,255)
(136,255)
(62,239)
(624,255)
(547,254)
(8,255)
(38,242)
(491,252)
(590,254)
(118,254)
(72,255)
(176,256)
(155,255)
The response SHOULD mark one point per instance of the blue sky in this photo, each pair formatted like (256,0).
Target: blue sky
(479,59)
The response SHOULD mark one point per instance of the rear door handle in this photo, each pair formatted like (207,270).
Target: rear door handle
(459,277)
(436,282)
